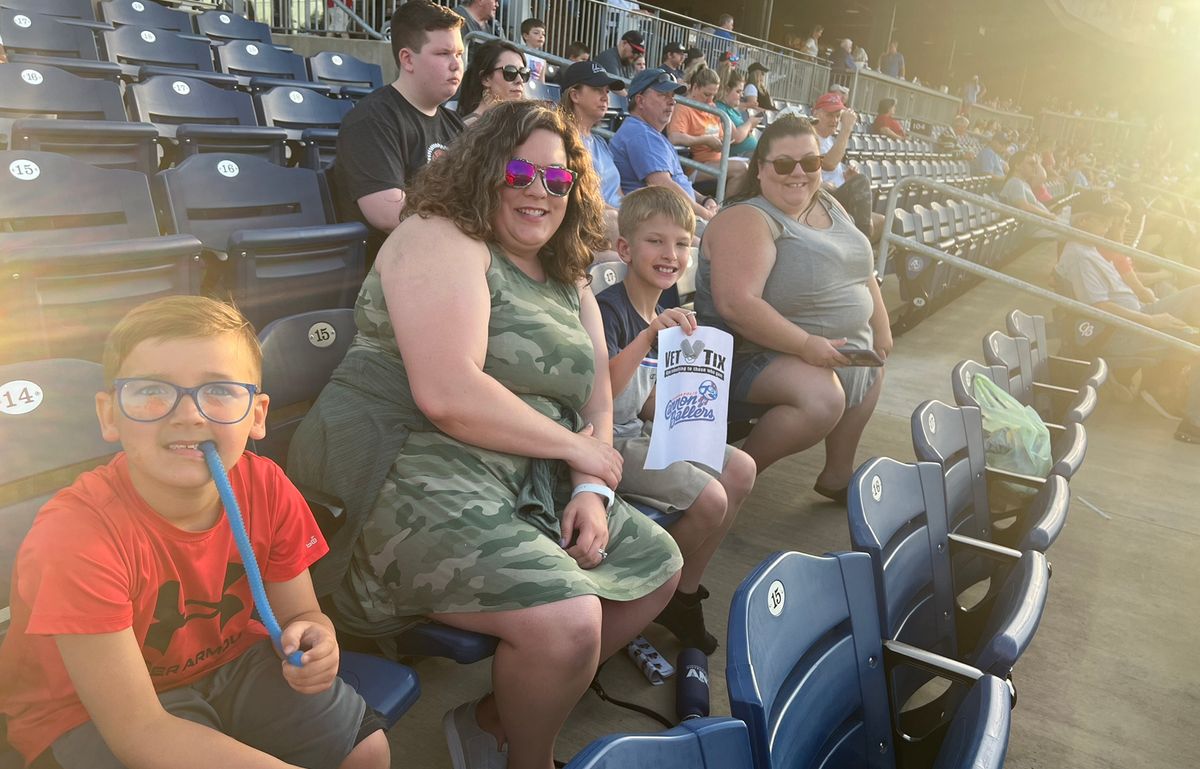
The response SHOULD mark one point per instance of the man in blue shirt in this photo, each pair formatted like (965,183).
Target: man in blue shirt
(643,154)
(892,62)
(990,160)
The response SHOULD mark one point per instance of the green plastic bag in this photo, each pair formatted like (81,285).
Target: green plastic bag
(1015,437)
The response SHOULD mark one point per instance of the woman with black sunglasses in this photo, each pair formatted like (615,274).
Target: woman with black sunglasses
(496,73)
(785,269)
(469,433)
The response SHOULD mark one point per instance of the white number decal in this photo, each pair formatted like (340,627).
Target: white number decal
(25,170)
(19,396)
(228,168)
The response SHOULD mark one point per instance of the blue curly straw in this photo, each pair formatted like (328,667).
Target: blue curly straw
(242,540)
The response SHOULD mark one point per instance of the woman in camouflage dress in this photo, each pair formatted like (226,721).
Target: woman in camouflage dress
(474,375)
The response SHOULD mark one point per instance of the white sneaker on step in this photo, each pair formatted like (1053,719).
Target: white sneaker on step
(470,746)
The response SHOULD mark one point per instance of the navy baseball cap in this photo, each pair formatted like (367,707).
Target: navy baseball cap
(589,73)
(658,79)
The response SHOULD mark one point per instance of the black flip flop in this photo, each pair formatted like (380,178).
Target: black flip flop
(837,495)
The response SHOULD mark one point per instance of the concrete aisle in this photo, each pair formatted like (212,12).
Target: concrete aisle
(1111,679)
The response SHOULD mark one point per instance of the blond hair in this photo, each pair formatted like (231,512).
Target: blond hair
(177,317)
(640,206)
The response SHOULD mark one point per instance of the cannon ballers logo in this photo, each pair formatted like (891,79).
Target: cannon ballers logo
(692,406)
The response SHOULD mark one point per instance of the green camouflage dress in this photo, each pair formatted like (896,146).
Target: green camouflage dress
(442,532)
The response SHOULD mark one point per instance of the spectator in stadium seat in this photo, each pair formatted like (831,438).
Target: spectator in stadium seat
(585,89)
(578,51)
(886,123)
(756,75)
(990,160)
(496,74)
(644,156)
(673,56)
(618,60)
(1024,171)
(703,132)
(480,16)
(657,226)
(436,424)
(115,656)
(892,62)
(392,133)
(833,123)
(1167,384)
(744,122)
(533,32)
(785,268)
(812,45)
(639,63)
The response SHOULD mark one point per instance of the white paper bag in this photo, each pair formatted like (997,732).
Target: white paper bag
(691,407)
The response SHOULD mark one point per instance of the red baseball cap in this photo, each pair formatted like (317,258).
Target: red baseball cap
(829,102)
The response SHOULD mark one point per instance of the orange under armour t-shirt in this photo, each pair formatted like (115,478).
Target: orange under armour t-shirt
(98,559)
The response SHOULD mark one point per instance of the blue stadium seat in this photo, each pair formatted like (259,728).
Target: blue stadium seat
(310,119)
(195,117)
(539,89)
(388,687)
(268,232)
(953,438)
(143,52)
(1052,368)
(701,743)
(146,13)
(258,65)
(1054,402)
(897,515)
(53,41)
(77,10)
(347,75)
(809,674)
(222,26)
(79,247)
(48,109)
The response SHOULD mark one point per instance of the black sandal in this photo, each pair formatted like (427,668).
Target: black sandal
(837,495)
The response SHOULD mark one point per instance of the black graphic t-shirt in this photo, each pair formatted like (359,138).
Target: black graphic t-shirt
(381,144)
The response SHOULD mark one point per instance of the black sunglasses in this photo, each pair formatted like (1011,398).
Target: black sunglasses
(784,165)
(511,73)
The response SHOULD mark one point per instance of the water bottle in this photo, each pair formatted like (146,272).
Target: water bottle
(691,685)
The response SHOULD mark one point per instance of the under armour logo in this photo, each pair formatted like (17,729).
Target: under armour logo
(168,617)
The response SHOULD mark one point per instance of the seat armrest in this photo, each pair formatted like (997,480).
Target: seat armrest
(1031,481)
(263,83)
(988,549)
(898,653)
(1070,450)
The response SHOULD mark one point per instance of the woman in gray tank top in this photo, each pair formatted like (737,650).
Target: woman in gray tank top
(786,271)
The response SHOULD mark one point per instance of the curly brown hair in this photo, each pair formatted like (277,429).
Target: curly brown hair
(463,185)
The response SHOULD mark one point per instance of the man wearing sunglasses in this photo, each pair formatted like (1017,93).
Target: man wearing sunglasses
(619,59)
(392,133)
(643,154)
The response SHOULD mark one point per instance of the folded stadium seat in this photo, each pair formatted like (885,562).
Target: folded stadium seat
(1069,372)
(606,274)
(953,438)
(52,41)
(347,75)
(804,672)
(195,117)
(79,247)
(143,52)
(310,119)
(300,353)
(222,26)
(58,406)
(145,13)
(268,232)
(897,514)
(694,744)
(935,232)
(258,66)
(83,118)
(1054,402)
(76,10)
(1068,442)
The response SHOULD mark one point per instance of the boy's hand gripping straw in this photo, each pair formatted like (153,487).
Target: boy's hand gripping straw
(242,539)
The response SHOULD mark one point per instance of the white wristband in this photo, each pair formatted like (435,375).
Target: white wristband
(596,488)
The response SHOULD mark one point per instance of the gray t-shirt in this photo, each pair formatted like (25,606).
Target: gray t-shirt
(1092,278)
(1017,190)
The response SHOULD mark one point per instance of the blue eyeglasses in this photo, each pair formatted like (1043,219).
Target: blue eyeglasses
(149,400)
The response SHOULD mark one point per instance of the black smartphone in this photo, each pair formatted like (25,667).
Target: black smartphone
(860,357)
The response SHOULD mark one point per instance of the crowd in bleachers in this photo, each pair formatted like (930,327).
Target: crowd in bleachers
(468,473)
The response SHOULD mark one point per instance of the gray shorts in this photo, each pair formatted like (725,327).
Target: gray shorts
(669,489)
(249,700)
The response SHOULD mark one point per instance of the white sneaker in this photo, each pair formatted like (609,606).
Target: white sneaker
(470,746)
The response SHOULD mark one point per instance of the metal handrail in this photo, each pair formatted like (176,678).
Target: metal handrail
(721,172)
(890,239)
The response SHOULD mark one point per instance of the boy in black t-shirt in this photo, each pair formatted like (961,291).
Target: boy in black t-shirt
(656,226)
(392,133)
